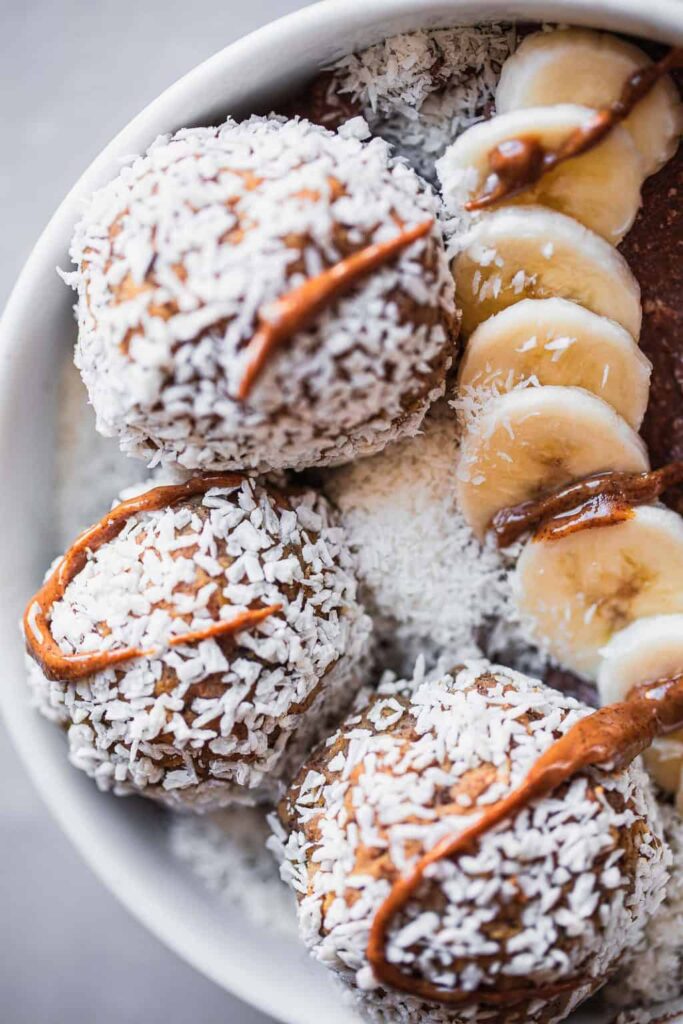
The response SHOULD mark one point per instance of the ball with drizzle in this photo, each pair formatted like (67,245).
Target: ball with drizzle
(529,919)
(197,640)
(265,294)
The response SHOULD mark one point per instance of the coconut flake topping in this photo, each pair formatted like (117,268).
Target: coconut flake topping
(420,90)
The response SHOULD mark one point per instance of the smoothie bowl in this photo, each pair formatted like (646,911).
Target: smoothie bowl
(364,492)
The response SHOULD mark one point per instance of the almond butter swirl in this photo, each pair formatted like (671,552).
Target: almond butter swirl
(601,499)
(40,643)
(295,311)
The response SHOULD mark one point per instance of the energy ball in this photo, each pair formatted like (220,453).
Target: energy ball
(214,332)
(198,640)
(532,917)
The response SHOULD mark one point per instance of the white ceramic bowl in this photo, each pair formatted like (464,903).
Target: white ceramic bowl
(123,840)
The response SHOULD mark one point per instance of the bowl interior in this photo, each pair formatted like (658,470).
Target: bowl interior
(125,840)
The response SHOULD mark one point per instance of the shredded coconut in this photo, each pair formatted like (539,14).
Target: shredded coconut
(670,1012)
(227,851)
(89,467)
(428,584)
(420,90)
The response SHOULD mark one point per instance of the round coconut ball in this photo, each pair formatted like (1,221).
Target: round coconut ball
(184,256)
(221,719)
(555,895)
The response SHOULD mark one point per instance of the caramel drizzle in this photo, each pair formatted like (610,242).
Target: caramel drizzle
(296,310)
(611,737)
(41,644)
(516,164)
(601,499)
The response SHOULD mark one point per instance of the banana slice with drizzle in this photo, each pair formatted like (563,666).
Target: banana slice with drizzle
(533,440)
(583,187)
(580,66)
(649,649)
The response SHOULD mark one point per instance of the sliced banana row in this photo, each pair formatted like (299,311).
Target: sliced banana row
(552,313)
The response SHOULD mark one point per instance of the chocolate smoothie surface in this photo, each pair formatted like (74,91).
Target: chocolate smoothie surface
(654,250)
(322,103)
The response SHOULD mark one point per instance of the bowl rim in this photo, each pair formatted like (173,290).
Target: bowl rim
(299,34)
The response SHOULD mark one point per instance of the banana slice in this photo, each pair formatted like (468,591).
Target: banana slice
(579,66)
(583,187)
(649,649)
(554,341)
(530,252)
(531,441)
(577,591)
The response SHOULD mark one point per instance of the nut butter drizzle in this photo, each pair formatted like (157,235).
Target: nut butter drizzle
(295,311)
(41,644)
(601,499)
(611,737)
(516,164)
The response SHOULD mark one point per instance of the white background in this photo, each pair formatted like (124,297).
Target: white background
(72,73)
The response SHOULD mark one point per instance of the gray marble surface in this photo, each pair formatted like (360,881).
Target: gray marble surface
(72,72)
